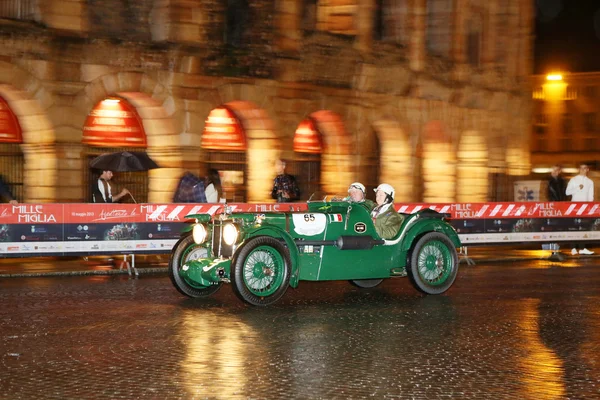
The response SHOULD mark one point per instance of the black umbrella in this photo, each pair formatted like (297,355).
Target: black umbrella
(123,161)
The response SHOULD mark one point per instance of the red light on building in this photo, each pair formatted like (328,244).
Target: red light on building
(307,138)
(223,131)
(114,123)
(10,130)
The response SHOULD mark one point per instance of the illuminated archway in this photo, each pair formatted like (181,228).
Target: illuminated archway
(472,170)
(30,155)
(394,159)
(114,125)
(337,167)
(225,143)
(308,147)
(253,179)
(439,165)
(11,157)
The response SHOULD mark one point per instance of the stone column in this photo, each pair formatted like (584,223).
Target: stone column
(364,25)
(261,156)
(461,14)
(472,171)
(163,181)
(289,15)
(41,173)
(490,36)
(417,22)
(526,38)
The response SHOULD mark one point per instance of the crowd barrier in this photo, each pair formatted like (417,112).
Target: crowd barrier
(90,229)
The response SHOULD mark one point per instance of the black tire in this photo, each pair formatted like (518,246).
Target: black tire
(433,263)
(366,283)
(260,271)
(181,253)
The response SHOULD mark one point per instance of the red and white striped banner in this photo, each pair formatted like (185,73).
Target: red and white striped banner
(72,213)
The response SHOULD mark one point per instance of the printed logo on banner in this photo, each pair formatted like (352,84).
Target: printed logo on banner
(34,213)
(115,214)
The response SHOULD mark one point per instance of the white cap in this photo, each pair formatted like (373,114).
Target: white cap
(387,189)
(357,186)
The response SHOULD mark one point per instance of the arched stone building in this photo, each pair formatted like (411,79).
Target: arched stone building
(431,96)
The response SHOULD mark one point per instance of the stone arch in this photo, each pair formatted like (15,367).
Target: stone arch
(30,101)
(153,105)
(472,169)
(263,148)
(439,164)
(395,156)
(336,161)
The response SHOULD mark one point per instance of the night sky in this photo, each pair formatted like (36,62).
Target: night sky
(567,36)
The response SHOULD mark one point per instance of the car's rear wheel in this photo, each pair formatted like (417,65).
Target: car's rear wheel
(261,271)
(186,250)
(366,283)
(433,263)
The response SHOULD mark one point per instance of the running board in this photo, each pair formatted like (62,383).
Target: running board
(397,272)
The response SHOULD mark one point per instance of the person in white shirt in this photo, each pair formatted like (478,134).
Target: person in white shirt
(213,190)
(102,191)
(581,188)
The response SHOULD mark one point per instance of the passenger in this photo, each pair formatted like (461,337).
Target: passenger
(386,218)
(356,193)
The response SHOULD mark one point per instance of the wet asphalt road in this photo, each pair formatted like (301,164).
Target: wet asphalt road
(528,330)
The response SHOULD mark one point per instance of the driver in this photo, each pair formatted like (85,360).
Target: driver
(356,193)
(386,218)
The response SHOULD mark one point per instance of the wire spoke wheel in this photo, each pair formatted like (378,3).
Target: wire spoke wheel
(261,271)
(433,263)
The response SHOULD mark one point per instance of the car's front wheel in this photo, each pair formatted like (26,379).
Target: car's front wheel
(433,263)
(187,250)
(261,271)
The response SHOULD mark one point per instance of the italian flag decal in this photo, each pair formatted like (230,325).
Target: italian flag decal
(335,217)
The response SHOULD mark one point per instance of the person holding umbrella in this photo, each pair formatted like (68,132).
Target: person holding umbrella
(102,191)
(121,161)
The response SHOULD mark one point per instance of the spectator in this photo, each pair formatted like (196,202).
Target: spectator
(5,193)
(214,190)
(190,190)
(581,188)
(285,188)
(556,185)
(102,191)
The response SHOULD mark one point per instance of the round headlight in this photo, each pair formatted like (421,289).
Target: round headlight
(230,234)
(199,233)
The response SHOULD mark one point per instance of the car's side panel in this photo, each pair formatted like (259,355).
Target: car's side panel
(329,262)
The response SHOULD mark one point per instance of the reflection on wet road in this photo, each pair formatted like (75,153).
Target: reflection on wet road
(526,330)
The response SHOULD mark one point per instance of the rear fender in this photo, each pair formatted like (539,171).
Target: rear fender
(278,233)
(427,225)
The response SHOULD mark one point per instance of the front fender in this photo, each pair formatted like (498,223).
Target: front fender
(199,218)
(279,233)
(423,226)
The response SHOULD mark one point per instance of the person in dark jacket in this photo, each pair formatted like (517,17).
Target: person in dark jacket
(5,193)
(556,185)
(285,187)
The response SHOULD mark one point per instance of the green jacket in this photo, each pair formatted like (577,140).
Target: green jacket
(387,224)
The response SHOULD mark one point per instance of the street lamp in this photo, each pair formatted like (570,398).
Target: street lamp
(554,77)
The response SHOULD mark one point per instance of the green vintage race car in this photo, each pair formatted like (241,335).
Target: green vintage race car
(263,254)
